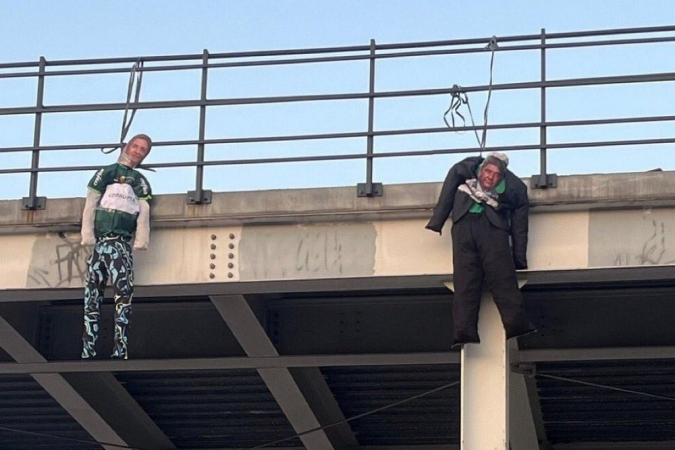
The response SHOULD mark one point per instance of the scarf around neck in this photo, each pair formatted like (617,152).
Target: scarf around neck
(482,196)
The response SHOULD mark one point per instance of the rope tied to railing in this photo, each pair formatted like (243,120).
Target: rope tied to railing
(459,97)
(134,87)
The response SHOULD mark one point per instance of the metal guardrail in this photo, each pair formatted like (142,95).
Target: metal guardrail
(372,53)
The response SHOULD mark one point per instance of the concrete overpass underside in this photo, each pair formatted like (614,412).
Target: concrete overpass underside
(320,320)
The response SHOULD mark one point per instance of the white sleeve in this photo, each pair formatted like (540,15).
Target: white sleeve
(142,227)
(88,214)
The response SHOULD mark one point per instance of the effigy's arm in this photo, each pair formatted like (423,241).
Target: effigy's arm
(142,226)
(87,230)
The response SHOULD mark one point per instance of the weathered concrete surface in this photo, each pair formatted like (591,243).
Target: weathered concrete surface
(588,222)
(578,192)
(239,253)
(633,238)
(317,251)
(608,191)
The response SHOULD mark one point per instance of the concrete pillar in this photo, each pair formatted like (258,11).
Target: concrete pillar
(523,433)
(484,398)
(485,380)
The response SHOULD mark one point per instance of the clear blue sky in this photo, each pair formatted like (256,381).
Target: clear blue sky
(69,29)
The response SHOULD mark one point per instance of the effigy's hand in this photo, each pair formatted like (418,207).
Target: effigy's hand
(140,244)
(142,238)
(435,228)
(88,239)
(87,229)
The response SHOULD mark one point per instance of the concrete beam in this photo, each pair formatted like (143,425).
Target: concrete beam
(411,447)
(568,277)
(339,204)
(596,354)
(116,406)
(55,384)
(365,447)
(243,323)
(485,384)
(527,423)
(320,398)
(187,290)
(633,445)
(207,248)
(272,362)
(535,409)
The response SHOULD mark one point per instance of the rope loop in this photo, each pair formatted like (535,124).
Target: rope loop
(133,88)
(459,97)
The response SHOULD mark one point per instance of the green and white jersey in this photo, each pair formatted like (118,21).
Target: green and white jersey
(121,188)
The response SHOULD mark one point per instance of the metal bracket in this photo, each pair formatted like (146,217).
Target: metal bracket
(33,203)
(544,181)
(204,200)
(528,370)
(376,190)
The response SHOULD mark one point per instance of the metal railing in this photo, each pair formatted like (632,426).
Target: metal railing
(372,53)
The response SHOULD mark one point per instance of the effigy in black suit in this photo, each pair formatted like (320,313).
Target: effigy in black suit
(489,207)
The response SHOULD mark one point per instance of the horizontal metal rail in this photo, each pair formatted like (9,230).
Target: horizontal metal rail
(570,82)
(336,58)
(206,61)
(403,153)
(364,48)
(357,134)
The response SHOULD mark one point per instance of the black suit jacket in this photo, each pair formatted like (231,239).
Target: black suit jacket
(511,215)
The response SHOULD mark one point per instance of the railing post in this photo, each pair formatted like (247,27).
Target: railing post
(543,180)
(201,196)
(33,202)
(370,189)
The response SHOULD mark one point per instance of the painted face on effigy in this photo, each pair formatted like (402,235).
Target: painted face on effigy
(134,152)
(489,176)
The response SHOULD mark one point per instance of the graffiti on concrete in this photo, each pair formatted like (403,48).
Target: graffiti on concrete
(319,251)
(633,238)
(653,250)
(316,251)
(57,261)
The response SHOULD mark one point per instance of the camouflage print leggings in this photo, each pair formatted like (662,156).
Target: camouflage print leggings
(111,257)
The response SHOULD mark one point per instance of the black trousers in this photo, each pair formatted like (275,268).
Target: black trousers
(482,253)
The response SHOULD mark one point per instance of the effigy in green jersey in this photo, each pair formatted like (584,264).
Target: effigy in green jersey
(121,188)
(115,221)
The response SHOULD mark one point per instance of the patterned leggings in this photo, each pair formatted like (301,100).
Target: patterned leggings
(111,257)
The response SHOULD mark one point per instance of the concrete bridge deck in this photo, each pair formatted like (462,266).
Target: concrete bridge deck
(588,222)
(267,314)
